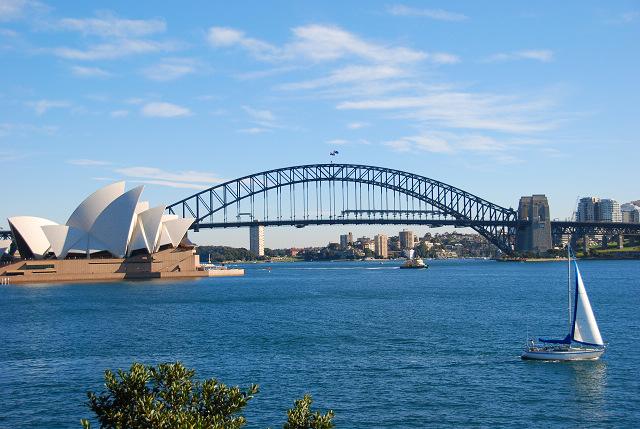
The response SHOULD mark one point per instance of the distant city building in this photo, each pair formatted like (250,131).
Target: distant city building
(381,247)
(256,240)
(406,239)
(609,211)
(630,213)
(346,240)
(588,209)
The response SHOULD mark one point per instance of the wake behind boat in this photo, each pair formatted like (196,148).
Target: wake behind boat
(583,342)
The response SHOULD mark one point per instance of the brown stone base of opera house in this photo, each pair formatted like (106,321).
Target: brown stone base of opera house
(180,263)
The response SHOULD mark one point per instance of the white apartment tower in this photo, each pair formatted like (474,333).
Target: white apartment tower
(381,245)
(609,211)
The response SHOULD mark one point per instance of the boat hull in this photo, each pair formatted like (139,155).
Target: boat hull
(562,355)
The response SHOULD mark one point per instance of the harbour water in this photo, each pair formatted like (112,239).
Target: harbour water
(382,347)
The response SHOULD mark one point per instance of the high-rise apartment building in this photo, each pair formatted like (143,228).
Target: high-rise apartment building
(256,240)
(381,246)
(630,213)
(588,209)
(406,239)
(346,240)
(609,211)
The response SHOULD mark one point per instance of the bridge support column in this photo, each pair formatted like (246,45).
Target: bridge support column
(605,241)
(620,241)
(535,236)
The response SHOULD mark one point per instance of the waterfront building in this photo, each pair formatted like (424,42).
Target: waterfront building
(609,211)
(256,240)
(588,209)
(381,246)
(406,239)
(630,213)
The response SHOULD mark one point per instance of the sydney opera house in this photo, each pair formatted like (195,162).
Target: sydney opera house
(111,235)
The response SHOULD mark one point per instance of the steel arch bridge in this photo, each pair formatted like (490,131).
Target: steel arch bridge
(321,194)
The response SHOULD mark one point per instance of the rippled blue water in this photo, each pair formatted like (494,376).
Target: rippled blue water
(381,346)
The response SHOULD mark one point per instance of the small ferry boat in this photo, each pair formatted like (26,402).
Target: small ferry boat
(413,262)
(583,342)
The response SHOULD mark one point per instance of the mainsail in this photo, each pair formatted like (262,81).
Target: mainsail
(585,329)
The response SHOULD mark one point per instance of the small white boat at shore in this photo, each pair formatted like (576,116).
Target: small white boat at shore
(583,342)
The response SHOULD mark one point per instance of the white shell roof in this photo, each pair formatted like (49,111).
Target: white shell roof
(30,229)
(88,211)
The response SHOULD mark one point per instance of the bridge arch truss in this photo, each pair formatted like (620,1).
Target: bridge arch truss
(319,194)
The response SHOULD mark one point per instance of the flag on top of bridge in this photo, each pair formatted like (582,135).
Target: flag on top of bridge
(334,153)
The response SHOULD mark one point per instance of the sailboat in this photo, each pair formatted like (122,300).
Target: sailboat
(583,342)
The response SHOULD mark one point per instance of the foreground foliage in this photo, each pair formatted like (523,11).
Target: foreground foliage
(167,396)
(301,416)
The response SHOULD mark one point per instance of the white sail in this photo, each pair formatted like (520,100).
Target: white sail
(585,328)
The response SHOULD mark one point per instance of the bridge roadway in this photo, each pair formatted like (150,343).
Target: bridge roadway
(557,227)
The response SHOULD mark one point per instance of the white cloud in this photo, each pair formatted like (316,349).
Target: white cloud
(89,71)
(254,130)
(87,162)
(357,125)
(342,142)
(11,10)
(260,115)
(468,110)
(421,142)
(114,50)
(117,37)
(630,16)
(42,106)
(318,43)
(164,110)
(119,113)
(439,14)
(349,74)
(184,179)
(170,69)
(108,25)
(542,55)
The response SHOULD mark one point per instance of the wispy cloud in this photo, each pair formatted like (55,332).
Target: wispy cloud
(119,113)
(87,162)
(42,106)
(117,49)
(343,142)
(348,75)
(264,119)
(117,37)
(11,10)
(164,110)
(439,14)
(421,142)
(109,25)
(254,130)
(357,125)
(171,69)
(542,55)
(184,179)
(465,110)
(317,43)
(82,71)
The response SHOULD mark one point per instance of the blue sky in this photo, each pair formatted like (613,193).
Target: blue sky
(501,99)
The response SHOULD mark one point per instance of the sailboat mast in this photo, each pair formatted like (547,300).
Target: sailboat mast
(569,284)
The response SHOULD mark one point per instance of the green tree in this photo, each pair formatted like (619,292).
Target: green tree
(167,396)
(302,417)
